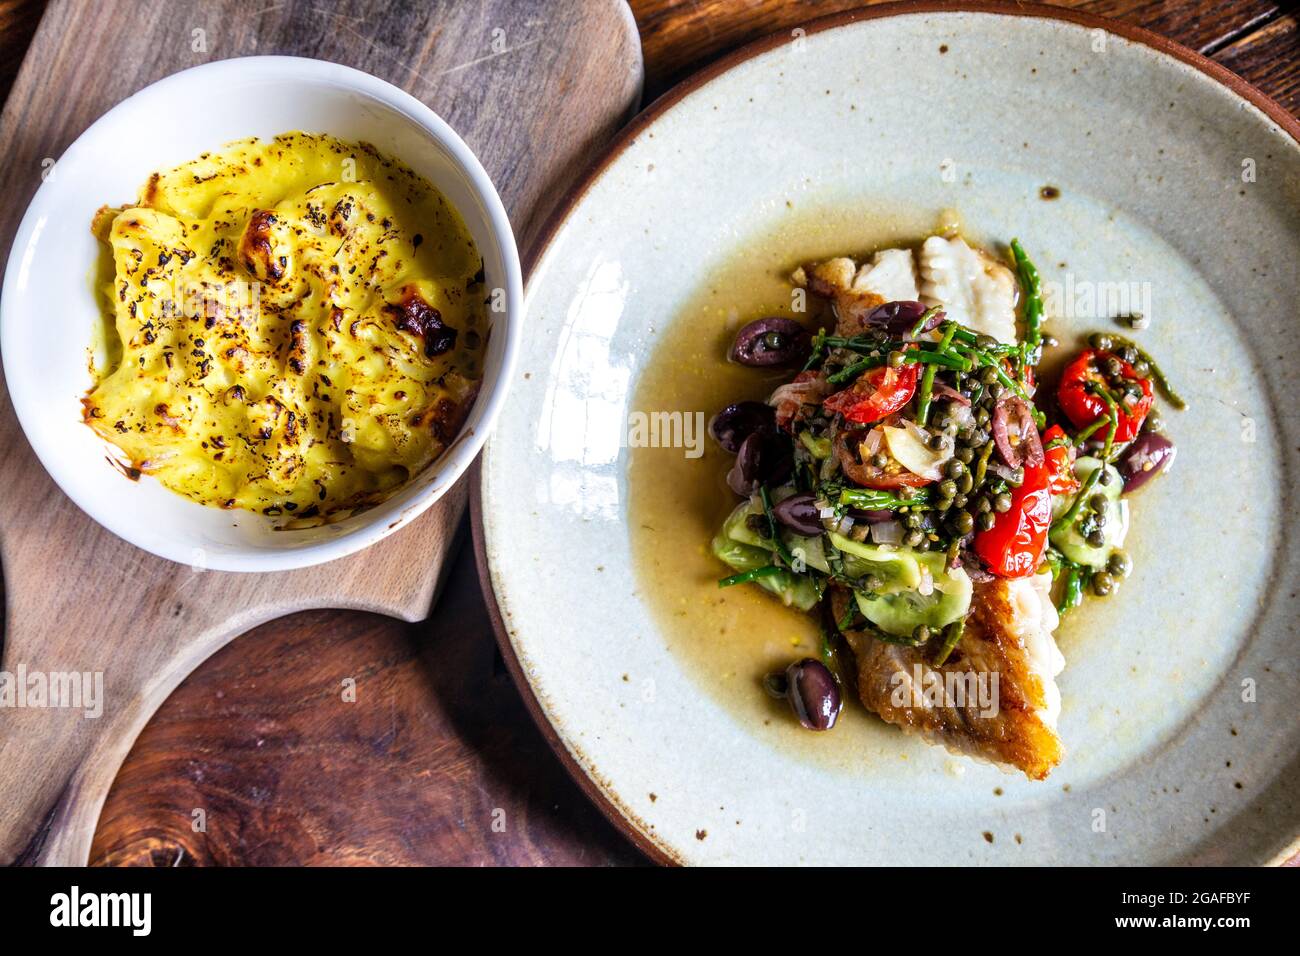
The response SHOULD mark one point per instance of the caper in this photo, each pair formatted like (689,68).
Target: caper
(1096,538)
(965,454)
(947,488)
(912,519)
(776,684)
(1129,354)
(980,438)
(1098,503)
(1155,423)
(1017,477)
(965,483)
(1101,341)
(1142,368)
(983,505)
(1112,368)
(954,468)
(943,504)
(1119,564)
(985,342)
(895,359)
(960,500)
(1102,583)
(995,391)
(988,375)
(1002,503)
(879,460)
(940,442)
(985,521)
(913,538)
(1050,341)
(1105,477)
(872,583)
(962,522)
(981,416)
(921,634)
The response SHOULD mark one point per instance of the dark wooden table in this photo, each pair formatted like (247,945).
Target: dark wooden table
(439,762)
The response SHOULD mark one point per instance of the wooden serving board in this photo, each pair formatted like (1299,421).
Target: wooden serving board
(534,87)
(442,747)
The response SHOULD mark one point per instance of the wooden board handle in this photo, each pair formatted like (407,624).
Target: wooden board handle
(114,623)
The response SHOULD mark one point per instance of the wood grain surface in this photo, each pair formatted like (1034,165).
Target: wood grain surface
(438,740)
(509,77)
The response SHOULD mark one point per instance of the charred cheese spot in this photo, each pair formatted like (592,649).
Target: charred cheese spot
(260,249)
(298,327)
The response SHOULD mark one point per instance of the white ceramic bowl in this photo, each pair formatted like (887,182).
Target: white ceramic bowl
(49,308)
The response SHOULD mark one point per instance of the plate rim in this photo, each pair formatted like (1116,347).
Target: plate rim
(620,816)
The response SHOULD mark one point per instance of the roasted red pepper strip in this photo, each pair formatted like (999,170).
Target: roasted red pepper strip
(876,394)
(1013,547)
(1083,407)
(1060,462)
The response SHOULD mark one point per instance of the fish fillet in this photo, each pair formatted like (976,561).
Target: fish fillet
(891,274)
(973,289)
(1012,720)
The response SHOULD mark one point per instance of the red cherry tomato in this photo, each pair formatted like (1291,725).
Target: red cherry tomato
(893,475)
(876,395)
(1014,546)
(1083,408)
(1060,462)
(864,473)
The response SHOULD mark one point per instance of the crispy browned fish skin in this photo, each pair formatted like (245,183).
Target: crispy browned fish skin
(1016,735)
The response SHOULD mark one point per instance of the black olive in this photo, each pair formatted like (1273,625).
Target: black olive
(1150,454)
(813,693)
(735,423)
(763,458)
(771,341)
(899,318)
(799,513)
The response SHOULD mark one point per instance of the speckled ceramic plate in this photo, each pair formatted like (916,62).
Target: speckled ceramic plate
(1173,180)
